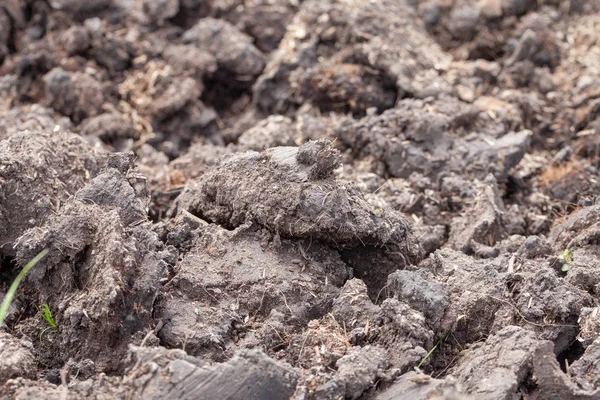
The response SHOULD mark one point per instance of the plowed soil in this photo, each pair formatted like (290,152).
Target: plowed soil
(301,199)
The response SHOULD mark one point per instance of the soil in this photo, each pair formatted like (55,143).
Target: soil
(301,199)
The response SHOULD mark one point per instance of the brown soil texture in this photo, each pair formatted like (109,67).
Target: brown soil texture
(301,199)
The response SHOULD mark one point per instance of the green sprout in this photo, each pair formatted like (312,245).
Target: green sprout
(566,257)
(429,353)
(13,288)
(47,315)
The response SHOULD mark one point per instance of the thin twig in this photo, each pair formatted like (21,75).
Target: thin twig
(63,379)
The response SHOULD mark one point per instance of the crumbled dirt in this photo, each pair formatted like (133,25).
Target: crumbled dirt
(275,199)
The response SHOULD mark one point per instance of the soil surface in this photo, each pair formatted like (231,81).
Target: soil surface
(301,199)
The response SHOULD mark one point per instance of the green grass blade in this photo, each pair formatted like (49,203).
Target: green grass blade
(13,288)
(44,331)
(429,353)
(48,316)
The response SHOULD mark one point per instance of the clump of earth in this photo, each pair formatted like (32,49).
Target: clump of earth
(287,199)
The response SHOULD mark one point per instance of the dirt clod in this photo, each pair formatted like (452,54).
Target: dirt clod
(17,359)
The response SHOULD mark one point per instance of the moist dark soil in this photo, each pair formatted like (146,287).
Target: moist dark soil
(301,199)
